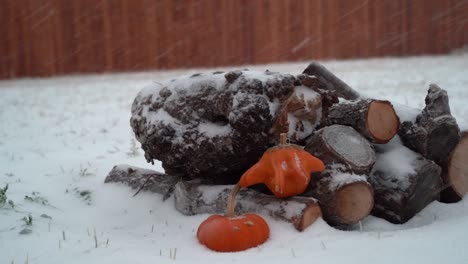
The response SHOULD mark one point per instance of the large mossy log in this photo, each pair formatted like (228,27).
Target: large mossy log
(214,126)
(404,182)
(193,198)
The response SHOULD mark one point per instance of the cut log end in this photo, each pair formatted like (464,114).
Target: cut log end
(382,121)
(353,202)
(458,167)
(342,144)
(310,215)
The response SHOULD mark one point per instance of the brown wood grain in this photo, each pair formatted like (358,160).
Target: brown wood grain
(55,37)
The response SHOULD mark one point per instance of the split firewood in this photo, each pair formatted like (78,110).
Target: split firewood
(404,182)
(434,133)
(374,119)
(343,192)
(330,81)
(194,198)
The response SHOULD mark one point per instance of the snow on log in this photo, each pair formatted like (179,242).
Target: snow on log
(338,144)
(455,174)
(214,126)
(192,198)
(330,81)
(148,180)
(404,182)
(374,119)
(434,134)
(329,97)
(343,192)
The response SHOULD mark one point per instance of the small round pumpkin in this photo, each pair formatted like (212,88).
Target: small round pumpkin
(285,169)
(231,234)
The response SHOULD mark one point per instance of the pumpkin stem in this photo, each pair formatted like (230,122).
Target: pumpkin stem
(232,201)
(283,138)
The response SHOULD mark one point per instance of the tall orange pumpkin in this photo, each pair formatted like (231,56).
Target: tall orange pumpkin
(285,169)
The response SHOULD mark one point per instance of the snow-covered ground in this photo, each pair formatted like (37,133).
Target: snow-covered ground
(60,137)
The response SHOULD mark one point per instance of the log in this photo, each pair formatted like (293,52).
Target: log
(343,192)
(338,144)
(147,180)
(214,126)
(455,173)
(435,133)
(404,182)
(330,81)
(345,199)
(374,119)
(193,198)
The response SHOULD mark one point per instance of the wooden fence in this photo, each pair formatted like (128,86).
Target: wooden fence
(53,37)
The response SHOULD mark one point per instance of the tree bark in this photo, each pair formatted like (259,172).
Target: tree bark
(434,134)
(142,179)
(194,198)
(374,119)
(330,81)
(404,182)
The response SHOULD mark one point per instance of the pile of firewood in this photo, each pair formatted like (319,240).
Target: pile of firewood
(381,159)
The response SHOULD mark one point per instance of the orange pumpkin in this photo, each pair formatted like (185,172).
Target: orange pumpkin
(231,234)
(285,169)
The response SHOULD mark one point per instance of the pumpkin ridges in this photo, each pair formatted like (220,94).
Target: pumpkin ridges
(279,176)
(290,183)
(302,169)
